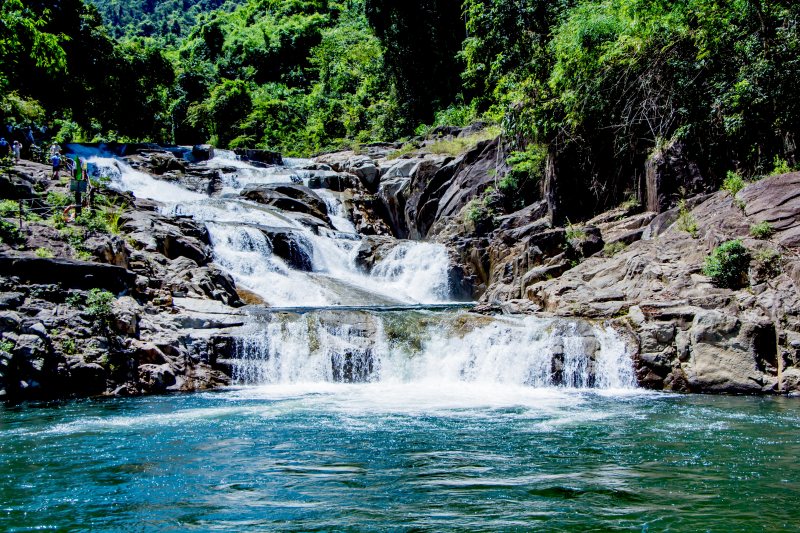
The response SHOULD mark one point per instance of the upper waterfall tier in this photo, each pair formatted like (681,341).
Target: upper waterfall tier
(320,269)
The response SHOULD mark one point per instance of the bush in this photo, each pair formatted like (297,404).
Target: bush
(9,208)
(6,346)
(733,183)
(781,166)
(612,249)
(686,221)
(44,253)
(727,265)
(762,230)
(98,305)
(768,264)
(10,234)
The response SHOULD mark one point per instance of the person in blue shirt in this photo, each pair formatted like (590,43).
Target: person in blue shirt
(56,160)
(5,148)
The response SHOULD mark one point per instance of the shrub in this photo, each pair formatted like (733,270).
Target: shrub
(768,264)
(727,265)
(480,213)
(612,249)
(98,305)
(781,166)
(6,346)
(69,347)
(10,233)
(9,208)
(686,221)
(408,148)
(57,199)
(44,253)
(733,183)
(525,165)
(575,233)
(762,230)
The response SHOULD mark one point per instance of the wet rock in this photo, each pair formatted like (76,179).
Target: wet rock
(366,171)
(367,213)
(157,162)
(393,193)
(265,157)
(373,249)
(289,197)
(291,246)
(202,152)
(334,181)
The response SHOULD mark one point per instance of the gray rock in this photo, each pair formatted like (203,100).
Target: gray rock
(289,197)
(202,152)
(11,300)
(292,246)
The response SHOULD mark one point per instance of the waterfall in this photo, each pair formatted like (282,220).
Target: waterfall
(430,347)
(241,248)
(365,346)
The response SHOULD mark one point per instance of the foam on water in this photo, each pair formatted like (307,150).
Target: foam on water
(433,349)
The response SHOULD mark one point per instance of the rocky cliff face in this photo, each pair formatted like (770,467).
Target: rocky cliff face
(111,321)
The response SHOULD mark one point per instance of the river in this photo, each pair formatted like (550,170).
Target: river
(332,457)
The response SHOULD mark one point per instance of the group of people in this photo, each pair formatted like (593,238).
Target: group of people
(77,168)
(7,149)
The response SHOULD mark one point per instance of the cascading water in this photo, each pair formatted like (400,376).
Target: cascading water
(432,347)
(397,347)
(243,248)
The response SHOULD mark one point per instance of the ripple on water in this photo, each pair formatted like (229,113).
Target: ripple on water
(375,456)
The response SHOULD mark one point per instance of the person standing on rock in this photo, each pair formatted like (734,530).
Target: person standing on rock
(4,147)
(17,149)
(56,160)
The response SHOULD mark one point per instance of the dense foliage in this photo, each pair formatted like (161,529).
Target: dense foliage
(592,86)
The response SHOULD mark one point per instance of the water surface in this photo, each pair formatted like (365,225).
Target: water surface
(404,457)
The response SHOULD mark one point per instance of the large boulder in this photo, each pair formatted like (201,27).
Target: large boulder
(202,152)
(777,201)
(334,181)
(289,197)
(671,175)
(265,157)
(393,193)
(68,272)
(291,246)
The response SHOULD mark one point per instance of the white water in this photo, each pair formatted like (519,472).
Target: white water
(246,253)
(433,350)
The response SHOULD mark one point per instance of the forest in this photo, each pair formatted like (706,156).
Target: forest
(601,84)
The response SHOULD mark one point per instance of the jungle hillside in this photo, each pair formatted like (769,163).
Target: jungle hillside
(599,85)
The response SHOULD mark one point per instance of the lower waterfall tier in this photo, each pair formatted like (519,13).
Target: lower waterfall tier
(410,346)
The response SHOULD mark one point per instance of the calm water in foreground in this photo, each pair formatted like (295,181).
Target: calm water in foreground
(405,457)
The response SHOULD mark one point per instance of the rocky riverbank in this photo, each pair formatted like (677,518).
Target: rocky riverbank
(640,269)
(128,300)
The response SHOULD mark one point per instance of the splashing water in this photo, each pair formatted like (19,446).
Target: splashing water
(241,248)
(434,349)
